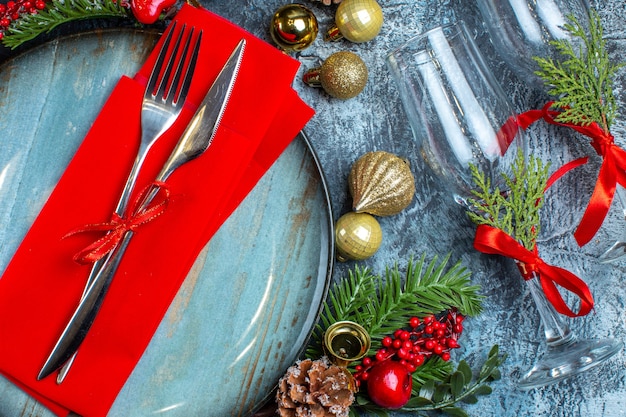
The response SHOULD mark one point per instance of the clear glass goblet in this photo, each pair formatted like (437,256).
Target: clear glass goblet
(457,110)
(618,249)
(460,116)
(522,29)
(565,355)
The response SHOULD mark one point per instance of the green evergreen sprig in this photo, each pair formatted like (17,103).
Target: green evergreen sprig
(583,81)
(58,12)
(384,304)
(516,210)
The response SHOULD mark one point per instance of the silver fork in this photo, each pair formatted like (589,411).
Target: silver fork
(163,100)
(160,109)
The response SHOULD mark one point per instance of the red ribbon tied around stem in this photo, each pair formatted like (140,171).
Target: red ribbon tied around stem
(494,241)
(612,170)
(117,227)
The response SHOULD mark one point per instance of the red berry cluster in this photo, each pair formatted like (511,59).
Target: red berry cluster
(433,335)
(12,11)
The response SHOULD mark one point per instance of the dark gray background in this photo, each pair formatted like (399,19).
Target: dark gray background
(341,131)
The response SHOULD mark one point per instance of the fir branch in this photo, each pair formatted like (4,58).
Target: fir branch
(426,289)
(583,82)
(348,298)
(454,282)
(382,306)
(58,12)
(488,205)
(515,212)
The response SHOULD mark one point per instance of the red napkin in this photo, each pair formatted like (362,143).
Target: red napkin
(42,285)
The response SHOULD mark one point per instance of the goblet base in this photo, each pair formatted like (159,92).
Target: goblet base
(565,360)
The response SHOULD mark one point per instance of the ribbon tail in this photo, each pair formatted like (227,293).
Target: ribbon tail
(98,249)
(556,175)
(564,278)
(599,204)
(95,227)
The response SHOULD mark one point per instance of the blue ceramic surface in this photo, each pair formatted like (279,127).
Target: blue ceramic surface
(245,311)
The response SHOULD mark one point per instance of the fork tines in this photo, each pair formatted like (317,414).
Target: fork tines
(170,76)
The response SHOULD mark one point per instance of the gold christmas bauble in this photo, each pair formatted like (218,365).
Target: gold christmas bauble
(343,75)
(293,27)
(328,2)
(381,183)
(357,20)
(357,236)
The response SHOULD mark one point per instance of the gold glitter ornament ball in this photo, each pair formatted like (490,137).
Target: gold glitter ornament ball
(357,21)
(357,236)
(293,27)
(381,184)
(343,75)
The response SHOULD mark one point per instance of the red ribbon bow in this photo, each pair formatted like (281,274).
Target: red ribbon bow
(494,241)
(612,170)
(117,227)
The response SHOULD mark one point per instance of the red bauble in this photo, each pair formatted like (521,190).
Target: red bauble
(148,11)
(389,384)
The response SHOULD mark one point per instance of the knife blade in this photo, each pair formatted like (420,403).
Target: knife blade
(196,139)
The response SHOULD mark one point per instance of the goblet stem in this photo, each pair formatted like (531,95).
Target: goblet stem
(566,355)
(557,332)
(617,249)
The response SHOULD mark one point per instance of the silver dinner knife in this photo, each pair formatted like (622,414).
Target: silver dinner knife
(196,139)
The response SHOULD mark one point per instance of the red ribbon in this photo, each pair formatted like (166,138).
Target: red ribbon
(117,227)
(612,170)
(507,133)
(494,241)
(564,169)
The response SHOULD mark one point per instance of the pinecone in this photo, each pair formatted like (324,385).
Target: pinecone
(315,389)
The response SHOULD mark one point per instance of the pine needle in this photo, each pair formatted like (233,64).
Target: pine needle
(583,81)
(58,12)
(382,305)
(516,211)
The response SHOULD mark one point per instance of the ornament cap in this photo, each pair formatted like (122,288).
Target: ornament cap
(333,34)
(312,77)
(346,341)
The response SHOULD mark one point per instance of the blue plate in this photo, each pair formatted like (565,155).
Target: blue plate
(246,310)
